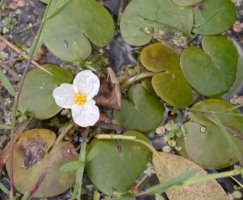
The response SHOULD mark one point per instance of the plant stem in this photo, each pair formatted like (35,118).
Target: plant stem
(63,133)
(205,23)
(79,173)
(198,179)
(136,78)
(114,137)
(125,137)
(16,101)
(194,180)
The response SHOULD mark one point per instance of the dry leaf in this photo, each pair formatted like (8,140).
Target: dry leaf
(168,166)
(109,94)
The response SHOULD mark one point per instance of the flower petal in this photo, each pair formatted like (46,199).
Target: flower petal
(85,115)
(88,83)
(64,95)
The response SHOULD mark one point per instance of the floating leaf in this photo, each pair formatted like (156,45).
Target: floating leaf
(37,97)
(166,168)
(158,57)
(204,142)
(214,16)
(170,85)
(153,15)
(173,89)
(6,83)
(142,107)
(30,158)
(186,2)
(118,164)
(212,71)
(72,43)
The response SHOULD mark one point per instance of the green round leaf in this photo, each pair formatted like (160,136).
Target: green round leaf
(68,33)
(204,142)
(173,89)
(212,71)
(142,107)
(214,16)
(158,57)
(153,15)
(171,85)
(209,149)
(38,86)
(186,2)
(118,164)
(31,157)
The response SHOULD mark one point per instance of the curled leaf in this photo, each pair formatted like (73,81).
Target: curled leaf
(109,94)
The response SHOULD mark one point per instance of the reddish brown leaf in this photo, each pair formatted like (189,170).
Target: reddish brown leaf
(109,94)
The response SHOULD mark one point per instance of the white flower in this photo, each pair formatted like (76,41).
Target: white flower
(79,98)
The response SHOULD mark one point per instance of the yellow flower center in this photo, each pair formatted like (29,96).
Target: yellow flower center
(80,99)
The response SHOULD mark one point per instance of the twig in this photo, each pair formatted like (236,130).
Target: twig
(29,58)
(11,60)
(238,182)
(141,182)
(63,133)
